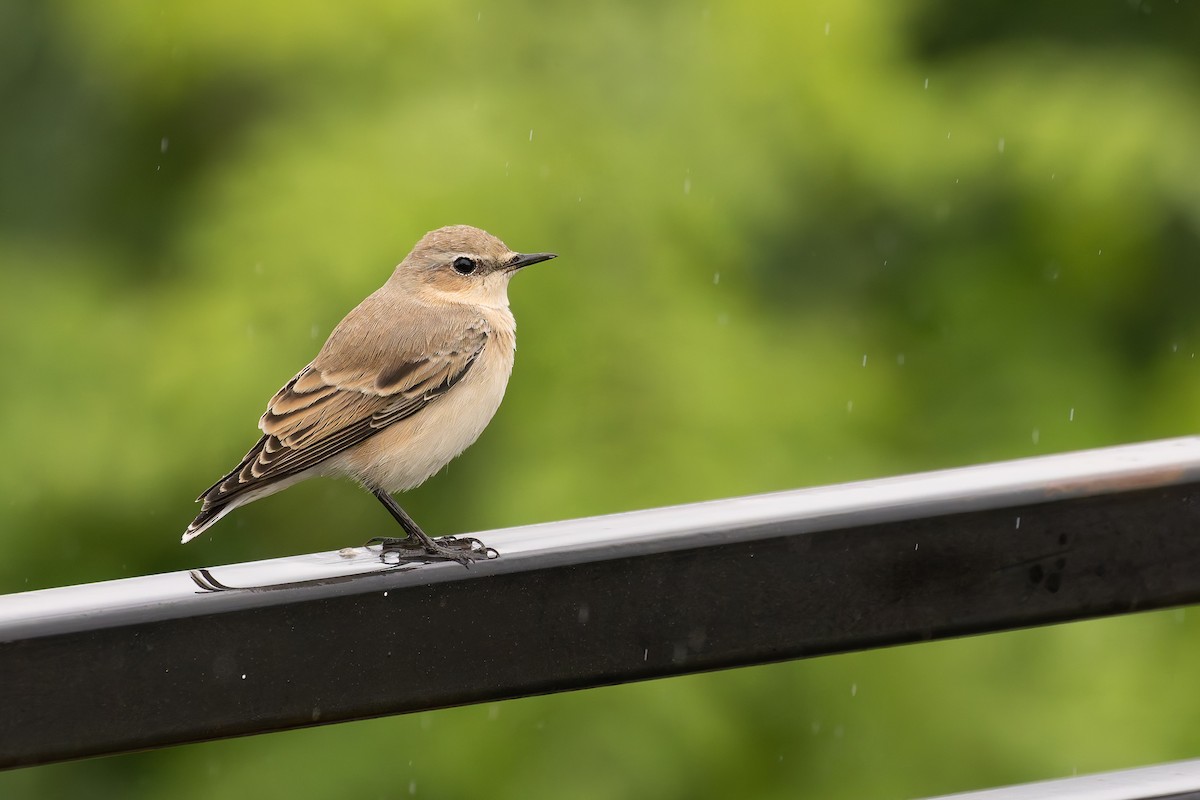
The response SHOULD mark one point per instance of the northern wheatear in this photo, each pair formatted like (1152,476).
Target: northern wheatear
(406,382)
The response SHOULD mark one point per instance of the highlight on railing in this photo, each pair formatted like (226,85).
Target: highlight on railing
(251,648)
(1179,780)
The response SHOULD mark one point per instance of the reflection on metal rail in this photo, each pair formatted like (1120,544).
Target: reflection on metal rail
(249,648)
(1179,780)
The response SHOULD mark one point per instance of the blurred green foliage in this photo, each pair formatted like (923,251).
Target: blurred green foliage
(801,243)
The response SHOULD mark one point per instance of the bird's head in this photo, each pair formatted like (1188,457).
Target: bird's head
(462,264)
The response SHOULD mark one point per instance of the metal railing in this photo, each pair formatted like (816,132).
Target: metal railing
(1179,780)
(249,648)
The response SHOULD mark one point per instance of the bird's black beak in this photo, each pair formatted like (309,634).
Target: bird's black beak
(525,259)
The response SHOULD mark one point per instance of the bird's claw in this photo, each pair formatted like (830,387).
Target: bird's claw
(462,550)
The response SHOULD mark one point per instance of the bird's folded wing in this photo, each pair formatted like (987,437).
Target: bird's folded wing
(323,411)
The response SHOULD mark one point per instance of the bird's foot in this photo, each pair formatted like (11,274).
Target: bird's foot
(464,550)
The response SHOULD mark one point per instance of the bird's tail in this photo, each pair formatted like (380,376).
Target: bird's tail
(242,485)
(222,497)
(206,518)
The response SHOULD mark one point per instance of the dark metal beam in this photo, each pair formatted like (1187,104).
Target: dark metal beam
(183,657)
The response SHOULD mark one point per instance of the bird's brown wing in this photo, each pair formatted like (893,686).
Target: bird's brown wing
(323,411)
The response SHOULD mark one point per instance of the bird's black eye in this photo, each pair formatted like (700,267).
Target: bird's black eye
(464,265)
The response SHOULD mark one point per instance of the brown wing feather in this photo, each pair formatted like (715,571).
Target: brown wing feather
(320,413)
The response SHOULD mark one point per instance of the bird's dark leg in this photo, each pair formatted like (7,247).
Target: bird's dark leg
(416,535)
(411,528)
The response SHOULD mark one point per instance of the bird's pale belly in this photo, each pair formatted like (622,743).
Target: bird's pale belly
(404,455)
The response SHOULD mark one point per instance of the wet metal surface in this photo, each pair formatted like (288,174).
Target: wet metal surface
(1179,780)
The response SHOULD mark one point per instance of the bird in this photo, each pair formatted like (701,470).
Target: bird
(405,383)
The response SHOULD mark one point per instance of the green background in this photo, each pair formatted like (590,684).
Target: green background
(800,243)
